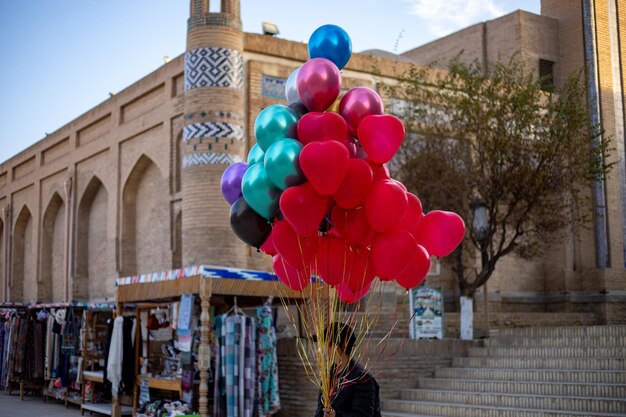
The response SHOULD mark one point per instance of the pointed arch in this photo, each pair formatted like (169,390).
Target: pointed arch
(95,266)
(52,267)
(23,282)
(145,230)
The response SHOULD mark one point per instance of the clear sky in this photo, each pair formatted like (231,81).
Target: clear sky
(60,58)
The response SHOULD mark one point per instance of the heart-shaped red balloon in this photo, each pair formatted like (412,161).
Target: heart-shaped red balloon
(355,184)
(324,164)
(362,273)
(381,172)
(352,225)
(439,232)
(416,270)
(304,208)
(412,214)
(381,136)
(268,246)
(348,296)
(385,205)
(333,260)
(320,127)
(392,253)
(298,251)
(295,279)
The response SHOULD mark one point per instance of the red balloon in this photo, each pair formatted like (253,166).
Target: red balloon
(355,185)
(398,183)
(268,246)
(319,84)
(381,136)
(303,208)
(357,104)
(362,272)
(333,260)
(352,225)
(392,253)
(439,232)
(412,214)
(348,296)
(295,279)
(385,205)
(381,172)
(324,164)
(416,270)
(296,250)
(321,127)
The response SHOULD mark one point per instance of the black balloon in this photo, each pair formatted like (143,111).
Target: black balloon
(250,227)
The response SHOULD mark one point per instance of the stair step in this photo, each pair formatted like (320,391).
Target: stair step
(544,402)
(541,363)
(580,341)
(534,375)
(410,408)
(566,331)
(526,387)
(549,352)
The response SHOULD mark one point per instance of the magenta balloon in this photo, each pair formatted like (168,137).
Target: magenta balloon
(319,84)
(357,104)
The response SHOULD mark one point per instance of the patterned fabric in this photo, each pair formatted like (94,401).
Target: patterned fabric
(235,382)
(213,67)
(267,365)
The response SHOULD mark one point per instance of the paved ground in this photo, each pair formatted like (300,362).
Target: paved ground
(11,406)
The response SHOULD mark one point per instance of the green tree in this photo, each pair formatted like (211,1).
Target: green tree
(491,138)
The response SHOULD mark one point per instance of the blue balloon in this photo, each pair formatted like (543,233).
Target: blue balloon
(282,163)
(274,123)
(331,42)
(255,155)
(259,192)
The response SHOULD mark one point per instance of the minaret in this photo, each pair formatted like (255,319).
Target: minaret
(213,135)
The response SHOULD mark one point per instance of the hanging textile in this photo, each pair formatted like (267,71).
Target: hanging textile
(49,347)
(128,362)
(267,365)
(116,354)
(235,389)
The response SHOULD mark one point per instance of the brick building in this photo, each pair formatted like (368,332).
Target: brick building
(132,185)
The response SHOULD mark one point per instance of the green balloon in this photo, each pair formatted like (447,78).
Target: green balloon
(274,123)
(259,192)
(282,163)
(255,155)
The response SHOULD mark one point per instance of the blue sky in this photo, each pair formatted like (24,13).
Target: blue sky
(63,57)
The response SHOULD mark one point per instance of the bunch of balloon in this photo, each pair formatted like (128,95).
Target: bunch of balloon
(316,192)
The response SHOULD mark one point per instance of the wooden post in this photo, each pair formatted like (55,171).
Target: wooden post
(204,351)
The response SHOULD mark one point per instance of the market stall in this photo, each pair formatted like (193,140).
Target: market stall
(217,285)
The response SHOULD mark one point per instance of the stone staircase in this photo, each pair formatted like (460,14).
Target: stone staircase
(527,372)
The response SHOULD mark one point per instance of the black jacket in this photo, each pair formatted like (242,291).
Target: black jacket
(357,398)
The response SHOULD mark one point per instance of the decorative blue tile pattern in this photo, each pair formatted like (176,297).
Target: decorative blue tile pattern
(195,270)
(213,67)
(213,129)
(213,158)
(235,273)
(600,225)
(273,87)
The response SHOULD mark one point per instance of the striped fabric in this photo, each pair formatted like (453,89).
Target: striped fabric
(235,366)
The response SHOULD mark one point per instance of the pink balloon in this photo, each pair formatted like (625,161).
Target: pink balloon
(355,185)
(416,270)
(295,279)
(412,214)
(357,104)
(439,232)
(319,84)
(381,136)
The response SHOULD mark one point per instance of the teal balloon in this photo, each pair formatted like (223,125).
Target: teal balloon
(282,163)
(255,155)
(259,192)
(274,123)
